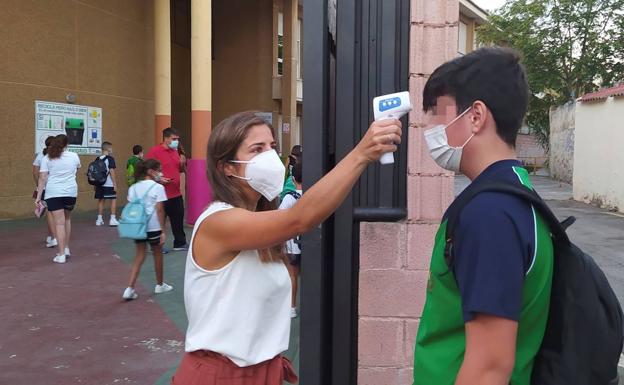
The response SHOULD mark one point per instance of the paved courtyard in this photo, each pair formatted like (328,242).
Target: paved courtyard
(67,324)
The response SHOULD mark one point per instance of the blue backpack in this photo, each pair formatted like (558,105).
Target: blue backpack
(134,219)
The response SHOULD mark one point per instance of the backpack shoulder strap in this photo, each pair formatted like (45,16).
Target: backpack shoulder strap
(148,190)
(557,229)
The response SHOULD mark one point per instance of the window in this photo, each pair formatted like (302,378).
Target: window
(299,38)
(463,38)
(280,43)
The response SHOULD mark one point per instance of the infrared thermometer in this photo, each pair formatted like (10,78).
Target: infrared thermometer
(391,106)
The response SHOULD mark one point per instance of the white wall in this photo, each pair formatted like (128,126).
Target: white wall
(599,152)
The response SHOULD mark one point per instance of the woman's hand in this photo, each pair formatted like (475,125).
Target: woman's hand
(163,238)
(382,136)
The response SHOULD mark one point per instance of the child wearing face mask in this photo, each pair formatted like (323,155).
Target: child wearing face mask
(148,173)
(108,191)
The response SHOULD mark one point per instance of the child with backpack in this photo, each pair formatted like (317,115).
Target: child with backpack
(137,155)
(293,250)
(510,300)
(151,194)
(107,190)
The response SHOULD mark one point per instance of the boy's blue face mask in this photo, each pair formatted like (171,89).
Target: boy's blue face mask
(174,144)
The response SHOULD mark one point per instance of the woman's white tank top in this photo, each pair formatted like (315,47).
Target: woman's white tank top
(242,310)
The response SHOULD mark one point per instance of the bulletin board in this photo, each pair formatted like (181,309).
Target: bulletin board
(81,124)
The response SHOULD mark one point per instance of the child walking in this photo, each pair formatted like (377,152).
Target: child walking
(108,191)
(148,173)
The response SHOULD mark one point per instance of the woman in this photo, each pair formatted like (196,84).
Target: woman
(51,238)
(237,287)
(57,176)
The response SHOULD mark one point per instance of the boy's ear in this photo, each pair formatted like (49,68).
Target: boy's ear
(478,116)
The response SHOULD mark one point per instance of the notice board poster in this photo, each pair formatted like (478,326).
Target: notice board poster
(81,124)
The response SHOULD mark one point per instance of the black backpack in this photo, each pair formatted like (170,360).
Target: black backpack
(584,333)
(97,172)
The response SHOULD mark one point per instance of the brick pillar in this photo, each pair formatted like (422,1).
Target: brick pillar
(394,257)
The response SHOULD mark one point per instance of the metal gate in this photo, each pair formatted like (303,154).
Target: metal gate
(354,50)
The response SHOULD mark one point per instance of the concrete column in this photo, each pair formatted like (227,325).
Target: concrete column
(394,257)
(289,79)
(162,68)
(198,190)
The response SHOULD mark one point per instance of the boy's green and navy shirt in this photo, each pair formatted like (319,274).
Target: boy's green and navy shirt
(502,266)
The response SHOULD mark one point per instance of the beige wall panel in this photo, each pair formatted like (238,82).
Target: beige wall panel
(243,65)
(112,43)
(111,54)
(132,10)
(126,122)
(148,53)
(17,127)
(38,42)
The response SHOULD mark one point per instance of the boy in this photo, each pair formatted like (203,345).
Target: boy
(108,190)
(488,297)
(137,154)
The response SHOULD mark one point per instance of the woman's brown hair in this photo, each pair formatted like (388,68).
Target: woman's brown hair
(48,141)
(225,139)
(57,146)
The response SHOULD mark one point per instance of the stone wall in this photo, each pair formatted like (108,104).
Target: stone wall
(561,159)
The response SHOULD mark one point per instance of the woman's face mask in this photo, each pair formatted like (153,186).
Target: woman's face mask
(264,173)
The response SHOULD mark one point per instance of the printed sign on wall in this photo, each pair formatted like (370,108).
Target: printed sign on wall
(81,124)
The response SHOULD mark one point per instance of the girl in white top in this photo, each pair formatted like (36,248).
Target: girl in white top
(237,290)
(149,173)
(36,166)
(57,176)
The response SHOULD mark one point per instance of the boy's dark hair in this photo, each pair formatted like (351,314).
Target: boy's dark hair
(137,149)
(106,146)
(169,132)
(296,150)
(492,75)
(142,166)
(297,172)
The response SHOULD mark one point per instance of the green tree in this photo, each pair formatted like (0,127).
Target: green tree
(569,48)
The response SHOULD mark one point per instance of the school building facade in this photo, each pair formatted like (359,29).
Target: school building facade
(147,64)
